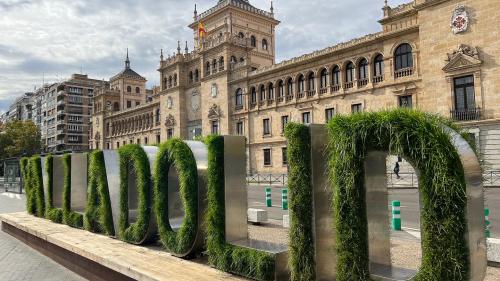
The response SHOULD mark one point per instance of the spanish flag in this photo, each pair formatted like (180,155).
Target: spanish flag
(201,30)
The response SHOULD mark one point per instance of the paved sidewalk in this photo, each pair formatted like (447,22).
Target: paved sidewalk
(20,262)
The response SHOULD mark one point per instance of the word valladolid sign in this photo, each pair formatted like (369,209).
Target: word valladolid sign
(192,195)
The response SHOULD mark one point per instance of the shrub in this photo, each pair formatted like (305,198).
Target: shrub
(51,213)
(70,218)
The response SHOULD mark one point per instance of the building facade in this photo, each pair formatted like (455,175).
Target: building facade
(438,56)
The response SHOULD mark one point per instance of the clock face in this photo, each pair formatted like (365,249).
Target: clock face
(214,90)
(195,101)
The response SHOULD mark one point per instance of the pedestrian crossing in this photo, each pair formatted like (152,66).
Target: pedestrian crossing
(12,195)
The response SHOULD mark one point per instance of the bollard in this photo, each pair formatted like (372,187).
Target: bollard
(396,215)
(284,199)
(487,222)
(269,201)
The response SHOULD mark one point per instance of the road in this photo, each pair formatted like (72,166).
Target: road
(410,214)
(20,262)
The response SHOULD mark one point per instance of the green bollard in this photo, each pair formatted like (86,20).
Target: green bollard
(487,222)
(396,215)
(284,199)
(269,201)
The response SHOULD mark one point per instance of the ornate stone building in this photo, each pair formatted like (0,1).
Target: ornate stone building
(435,55)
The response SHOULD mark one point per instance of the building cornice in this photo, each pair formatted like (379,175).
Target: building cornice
(423,4)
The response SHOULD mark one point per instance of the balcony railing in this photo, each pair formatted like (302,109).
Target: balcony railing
(378,79)
(238,107)
(253,104)
(300,95)
(289,98)
(466,114)
(362,82)
(323,91)
(311,93)
(348,85)
(335,88)
(403,72)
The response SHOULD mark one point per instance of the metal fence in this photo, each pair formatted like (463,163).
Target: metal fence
(491,179)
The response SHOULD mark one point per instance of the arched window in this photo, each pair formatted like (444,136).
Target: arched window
(270,94)
(241,35)
(253,96)
(301,83)
(165,83)
(253,41)
(214,65)
(378,66)
(349,72)
(129,89)
(363,69)
(310,82)
(290,86)
(170,81)
(403,57)
(324,78)
(281,89)
(221,63)
(196,75)
(157,115)
(175,79)
(239,97)
(336,76)
(116,106)
(137,90)
(262,93)
(191,77)
(242,59)
(207,68)
(233,59)
(264,45)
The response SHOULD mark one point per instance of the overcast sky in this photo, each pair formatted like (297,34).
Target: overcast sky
(52,39)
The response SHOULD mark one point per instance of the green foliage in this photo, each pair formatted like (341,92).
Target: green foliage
(176,153)
(98,215)
(243,261)
(133,159)
(421,139)
(51,213)
(70,218)
(301,245)
(31,169)
(19,138)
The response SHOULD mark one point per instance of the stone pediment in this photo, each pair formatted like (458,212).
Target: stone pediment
(170,121)
(463,58)
(214,112)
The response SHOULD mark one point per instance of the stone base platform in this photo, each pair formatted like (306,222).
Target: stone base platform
(97,257)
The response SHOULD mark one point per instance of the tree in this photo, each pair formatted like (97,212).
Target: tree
(19,138)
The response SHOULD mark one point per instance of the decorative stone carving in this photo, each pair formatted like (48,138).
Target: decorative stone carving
(459,20)
(195,101)
(214,90)
(214,112)
(464,57)
(170,103)
(170,121)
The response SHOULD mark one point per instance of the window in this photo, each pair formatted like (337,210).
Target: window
(129,89)
(137,103)
(214,66)
(264,45)
(158,115)
(253,41)
(301,83)
(284,122)
(306,118)
(281,89)
(324,79)
(290,87)
(137,90)
(170,133)
(129,104)
(403,57)
(117,144)
(196,75)
(138,141)
(271,91)
(267,157)
(239,98)
(262,93)
(284,157)
(221,63)
(349,72)
(207,68)
(310,82)
(215,127)
(253,97)
(239,128)
(116,106)
(266,127)
(363,69)
(329,113)
(405,101)
(241,35)
(336,76)
(356,108)
(378,70)
(157,139)
(464,93)
(146,141)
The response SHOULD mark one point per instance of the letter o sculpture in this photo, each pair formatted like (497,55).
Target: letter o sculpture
(181,167)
